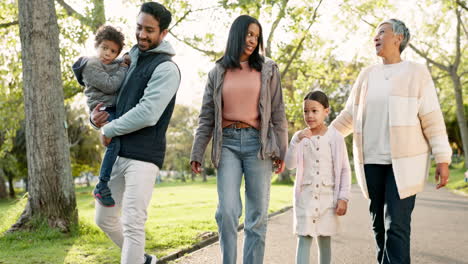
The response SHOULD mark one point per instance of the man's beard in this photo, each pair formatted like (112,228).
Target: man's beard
(151,45)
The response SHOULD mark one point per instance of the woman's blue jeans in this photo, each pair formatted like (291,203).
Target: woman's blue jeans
(239,157)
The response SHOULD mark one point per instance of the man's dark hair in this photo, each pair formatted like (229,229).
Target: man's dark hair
(159,12)
(109,33)
(318,96)
(236,44)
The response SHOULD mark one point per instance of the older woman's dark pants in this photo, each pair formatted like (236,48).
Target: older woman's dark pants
(391,216)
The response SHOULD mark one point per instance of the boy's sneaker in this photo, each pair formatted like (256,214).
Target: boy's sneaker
(150,259)
(102,193)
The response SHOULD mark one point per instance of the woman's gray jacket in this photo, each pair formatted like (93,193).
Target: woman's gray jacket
(273,123)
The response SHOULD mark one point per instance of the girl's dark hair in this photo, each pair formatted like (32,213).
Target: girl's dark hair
(159,12)
(318,96)
(109,33)
(236,44)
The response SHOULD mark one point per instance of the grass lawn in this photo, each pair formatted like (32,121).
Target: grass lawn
(178,213)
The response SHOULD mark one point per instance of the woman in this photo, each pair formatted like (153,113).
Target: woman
(396,121)
(243,111)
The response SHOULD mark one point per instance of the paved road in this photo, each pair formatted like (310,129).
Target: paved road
(440,234)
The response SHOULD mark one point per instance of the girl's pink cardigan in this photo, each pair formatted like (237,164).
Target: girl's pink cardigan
(341,169)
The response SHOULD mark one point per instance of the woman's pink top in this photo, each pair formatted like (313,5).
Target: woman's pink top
(241,93)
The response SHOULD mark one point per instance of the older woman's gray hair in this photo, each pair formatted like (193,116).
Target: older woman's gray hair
(399,28)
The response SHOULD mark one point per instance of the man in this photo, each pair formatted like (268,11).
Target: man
(144,107)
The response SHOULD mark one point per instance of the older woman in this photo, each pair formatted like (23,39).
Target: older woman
(396,121)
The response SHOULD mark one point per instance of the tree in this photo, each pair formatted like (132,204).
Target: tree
(180,138)
(452,67)
(85,148)
(295,19)
(93,19)
(51,190)
(9,168)
(75,28)
(15,165)
(11,102)
(3,190)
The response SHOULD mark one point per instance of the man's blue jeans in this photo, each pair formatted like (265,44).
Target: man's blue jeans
(391,216)
(239,157)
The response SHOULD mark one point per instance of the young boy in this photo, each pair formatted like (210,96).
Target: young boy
(102,76)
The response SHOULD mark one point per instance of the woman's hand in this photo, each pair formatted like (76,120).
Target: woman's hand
(279,166)
(341,207)
(196,167)
(442,175)
(306,133)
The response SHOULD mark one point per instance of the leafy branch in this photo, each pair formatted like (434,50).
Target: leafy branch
(299,45)
(9,24)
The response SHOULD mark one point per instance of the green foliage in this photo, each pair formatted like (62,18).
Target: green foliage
(247,6)
(9,164)
(328,74)
(11,102)
(446,96)
(78,169)
(304,59)
(210,170)
(179,138)
(368,11)
(85,149)
(74,31)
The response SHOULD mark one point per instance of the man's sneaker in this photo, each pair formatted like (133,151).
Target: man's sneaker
(150,259)
(103,196)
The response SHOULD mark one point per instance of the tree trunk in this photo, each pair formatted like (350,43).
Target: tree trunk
(193,175)
(11,186)
(182,176)
(26,184)
(3,189)
(51,190)
(461,118)
(203,172)
(284,177)
(88,176)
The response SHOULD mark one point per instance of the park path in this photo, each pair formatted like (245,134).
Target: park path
(439,234)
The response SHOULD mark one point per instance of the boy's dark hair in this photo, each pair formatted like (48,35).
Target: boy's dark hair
(236,44)
(159,12)
(318,96)
(109,33)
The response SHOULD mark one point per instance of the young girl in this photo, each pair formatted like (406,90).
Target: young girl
(322,179)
